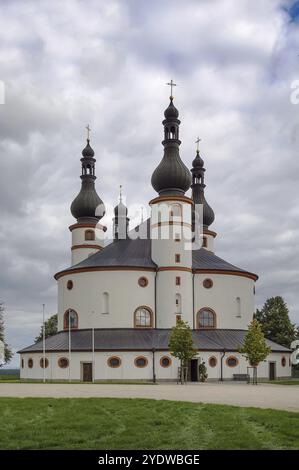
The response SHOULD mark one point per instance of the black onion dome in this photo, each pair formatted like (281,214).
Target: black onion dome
(208,216)
(171,112)
(88,205)
(171,175)
(198,161)
(88,151)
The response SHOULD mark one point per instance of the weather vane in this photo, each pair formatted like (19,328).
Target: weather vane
(88,131)
(197,144)
(171,84)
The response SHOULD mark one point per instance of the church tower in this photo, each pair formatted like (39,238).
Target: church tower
(120,220)
(202,215)
(171,229)
(88,209)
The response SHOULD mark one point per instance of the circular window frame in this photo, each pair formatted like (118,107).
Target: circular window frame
(110,359)
(207,283)
(30,363)
(69,284)
(169,363)
(41,362)
(59,362)
(141,357)
(232,357)
(283,361)
(212,358)
(143,281)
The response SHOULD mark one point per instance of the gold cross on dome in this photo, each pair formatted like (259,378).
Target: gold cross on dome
(88,131)
(197,144)
(171,84)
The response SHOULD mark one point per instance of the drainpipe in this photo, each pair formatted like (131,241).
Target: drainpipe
(154,370)
(156,297)
(221,369)
(193,300)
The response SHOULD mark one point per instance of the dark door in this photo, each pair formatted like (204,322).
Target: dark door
(272,371)
(194,370)
(87,371)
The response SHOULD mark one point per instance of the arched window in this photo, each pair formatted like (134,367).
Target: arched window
(105,300)
(206,318)
(172,132)
(176,212)
(89,235)
(143,318)
(72,317)
(238,302)
(178,303)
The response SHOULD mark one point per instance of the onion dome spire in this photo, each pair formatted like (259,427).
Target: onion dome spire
(171,177)
(121,219)
(88,206)
(198,187)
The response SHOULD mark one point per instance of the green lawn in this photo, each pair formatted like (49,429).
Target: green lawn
(107,423)
(284,382)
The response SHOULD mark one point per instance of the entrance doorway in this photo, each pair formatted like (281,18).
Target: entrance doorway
(193,370)
(272,370)
(87,371)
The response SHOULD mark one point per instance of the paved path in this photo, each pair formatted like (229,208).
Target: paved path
(281,397)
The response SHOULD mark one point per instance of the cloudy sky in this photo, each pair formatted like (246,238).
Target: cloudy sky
(64,64)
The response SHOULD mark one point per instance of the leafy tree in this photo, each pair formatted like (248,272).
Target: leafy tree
(255,348)
(8,354)
(275,321)
(202,372)
(181,344)
(51,328)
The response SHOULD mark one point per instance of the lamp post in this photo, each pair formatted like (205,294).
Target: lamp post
(93,345)
(44,346)
(70,344)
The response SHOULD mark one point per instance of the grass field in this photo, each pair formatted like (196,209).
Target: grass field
(106,423)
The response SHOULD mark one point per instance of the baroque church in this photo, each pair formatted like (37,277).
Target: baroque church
(118,302)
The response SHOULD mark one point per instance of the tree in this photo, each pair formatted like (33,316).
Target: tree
(255,348)
(181,345)
(202,372)
(51,328)
(275,321)
(7,350)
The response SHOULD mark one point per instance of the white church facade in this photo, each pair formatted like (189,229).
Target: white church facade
(117,303)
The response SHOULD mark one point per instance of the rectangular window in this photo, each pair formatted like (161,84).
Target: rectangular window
(177,258)
(177,238)
(178,318)
(178,281)
(205,242)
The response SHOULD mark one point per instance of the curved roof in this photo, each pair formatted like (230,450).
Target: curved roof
(130,339)
(136,253)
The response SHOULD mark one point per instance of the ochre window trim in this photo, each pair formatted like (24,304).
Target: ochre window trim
(65,319)
(212,358)
(232,357)
(89,235)
(111,359)
(204,309)
(141,357)
(161,362)
(145,307)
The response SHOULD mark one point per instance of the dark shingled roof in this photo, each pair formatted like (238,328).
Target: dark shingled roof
(137,253)
(126,339)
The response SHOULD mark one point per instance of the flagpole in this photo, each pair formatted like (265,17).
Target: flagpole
(93,364)
(44,345)
(69,319)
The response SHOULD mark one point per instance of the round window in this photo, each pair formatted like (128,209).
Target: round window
(142,281)
(165,361)
(212,361)
(63,362)
(70,284)
(141,361)
(41,363)
(114,361)
(283,361)
(208,283)
(232,361)
(30,363)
